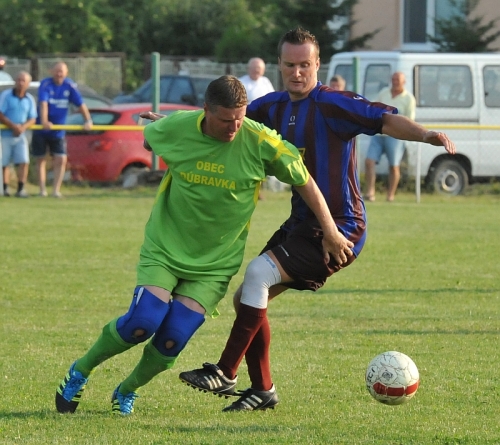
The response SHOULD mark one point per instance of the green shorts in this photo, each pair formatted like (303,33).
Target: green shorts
(206,293)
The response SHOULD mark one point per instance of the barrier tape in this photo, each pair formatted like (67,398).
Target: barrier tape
(80,127)
(141,127)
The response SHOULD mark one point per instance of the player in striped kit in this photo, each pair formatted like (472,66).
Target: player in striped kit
(323,124)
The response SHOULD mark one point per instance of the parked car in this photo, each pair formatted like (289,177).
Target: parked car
(91,97)
(105,156)
(174,89)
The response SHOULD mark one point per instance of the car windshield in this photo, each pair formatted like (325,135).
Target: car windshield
(98,118)
(200,85)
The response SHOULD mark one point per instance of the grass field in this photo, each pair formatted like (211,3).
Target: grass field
(427,284)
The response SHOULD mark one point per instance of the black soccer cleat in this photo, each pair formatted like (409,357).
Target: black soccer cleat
(253,400)
(209,379)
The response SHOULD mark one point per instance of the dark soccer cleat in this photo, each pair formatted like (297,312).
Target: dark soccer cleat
(70,391)
(253,400)
(209,378)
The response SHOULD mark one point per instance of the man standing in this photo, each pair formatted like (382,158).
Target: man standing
(256,84)
(18,113)
(323,124)
(54,97)
(394,149)
(337,83)
(195,237)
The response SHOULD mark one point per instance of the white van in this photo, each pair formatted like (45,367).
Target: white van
(452,91)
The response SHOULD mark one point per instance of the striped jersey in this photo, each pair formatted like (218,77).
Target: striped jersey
(323,127)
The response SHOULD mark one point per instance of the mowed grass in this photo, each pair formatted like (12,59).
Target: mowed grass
(427,284)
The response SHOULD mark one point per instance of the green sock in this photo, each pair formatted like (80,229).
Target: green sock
(107,345)
(151,364)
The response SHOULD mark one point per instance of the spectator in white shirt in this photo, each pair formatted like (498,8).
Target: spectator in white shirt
(256,84)
(397,96)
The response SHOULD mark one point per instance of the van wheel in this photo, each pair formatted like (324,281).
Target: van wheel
(448,178)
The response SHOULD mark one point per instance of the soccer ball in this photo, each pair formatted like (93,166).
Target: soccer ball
(392,378)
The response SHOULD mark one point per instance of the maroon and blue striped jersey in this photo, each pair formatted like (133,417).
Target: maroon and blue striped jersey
(323,127)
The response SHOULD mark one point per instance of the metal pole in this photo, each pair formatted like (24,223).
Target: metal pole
(355,87)
(417,172)
(1,168)
(355,75)
(155,100)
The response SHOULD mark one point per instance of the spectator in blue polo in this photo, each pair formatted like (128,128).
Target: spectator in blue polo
(18,113)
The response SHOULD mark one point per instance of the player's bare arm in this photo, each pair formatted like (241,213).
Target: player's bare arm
(334,243)
(151,115)
(400,127)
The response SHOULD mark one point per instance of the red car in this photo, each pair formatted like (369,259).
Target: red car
(107,155)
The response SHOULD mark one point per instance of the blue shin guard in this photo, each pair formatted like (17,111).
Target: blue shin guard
(176,329)
(143,318)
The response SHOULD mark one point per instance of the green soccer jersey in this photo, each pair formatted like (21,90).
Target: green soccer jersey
(200,219)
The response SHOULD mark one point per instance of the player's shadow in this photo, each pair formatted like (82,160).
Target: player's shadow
(429,332)
(447,290)
(46,414)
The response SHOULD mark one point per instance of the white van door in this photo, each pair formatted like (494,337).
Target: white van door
(446,92)
(489,80)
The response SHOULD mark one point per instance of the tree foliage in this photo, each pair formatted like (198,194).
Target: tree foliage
(227,30)
(50,27)
(464,31)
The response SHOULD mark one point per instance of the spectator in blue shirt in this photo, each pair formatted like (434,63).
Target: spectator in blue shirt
(18,113)
(54,97)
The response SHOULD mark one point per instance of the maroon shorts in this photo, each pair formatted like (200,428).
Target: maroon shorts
(300,253)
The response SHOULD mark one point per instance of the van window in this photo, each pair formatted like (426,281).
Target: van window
(443,86)
(491,80)
(346,72)
(377,76)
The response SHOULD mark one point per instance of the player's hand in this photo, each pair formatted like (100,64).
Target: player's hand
(438,138)
(337,246)
(151,115)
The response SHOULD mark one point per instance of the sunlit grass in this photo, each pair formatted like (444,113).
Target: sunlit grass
(427,284)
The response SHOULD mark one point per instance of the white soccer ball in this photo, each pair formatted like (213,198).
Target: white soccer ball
(392,378)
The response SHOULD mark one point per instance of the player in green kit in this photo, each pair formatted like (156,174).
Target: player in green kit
(195,237)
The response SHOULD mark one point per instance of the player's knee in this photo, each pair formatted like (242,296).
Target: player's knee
(143,318)
(260,275)
(176,329)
